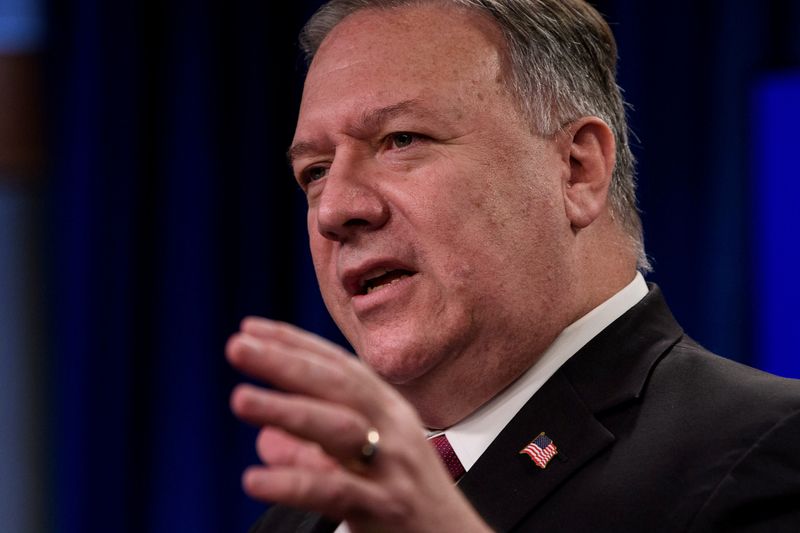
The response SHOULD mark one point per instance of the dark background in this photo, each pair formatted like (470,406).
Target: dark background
(170,213)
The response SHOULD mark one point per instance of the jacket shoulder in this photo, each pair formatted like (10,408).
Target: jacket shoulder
(747,425)
(723,385)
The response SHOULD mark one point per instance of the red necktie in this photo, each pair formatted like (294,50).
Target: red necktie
(449,457)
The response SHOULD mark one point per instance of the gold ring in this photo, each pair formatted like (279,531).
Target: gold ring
(370,448)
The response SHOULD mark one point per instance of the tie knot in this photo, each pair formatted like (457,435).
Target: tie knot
(448,456)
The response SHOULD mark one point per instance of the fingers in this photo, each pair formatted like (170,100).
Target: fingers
(292,336)
(276,447)
(340,430)
(340,495)
(299,370)
(284,366)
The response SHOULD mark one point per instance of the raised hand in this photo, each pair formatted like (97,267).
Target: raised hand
(315,438)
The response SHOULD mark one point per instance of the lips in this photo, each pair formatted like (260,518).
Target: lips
(382,279)
(375,276)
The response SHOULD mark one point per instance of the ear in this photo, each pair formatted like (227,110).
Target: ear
(589,144)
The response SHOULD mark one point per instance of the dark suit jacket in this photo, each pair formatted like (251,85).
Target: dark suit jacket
(654,434)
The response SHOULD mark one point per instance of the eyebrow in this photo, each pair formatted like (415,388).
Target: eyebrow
(369,120)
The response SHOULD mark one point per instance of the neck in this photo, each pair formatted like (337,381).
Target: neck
(453,391)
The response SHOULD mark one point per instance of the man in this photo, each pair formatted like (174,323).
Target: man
(474,232)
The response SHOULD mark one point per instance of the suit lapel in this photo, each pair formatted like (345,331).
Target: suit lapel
(504,485)
(611,369)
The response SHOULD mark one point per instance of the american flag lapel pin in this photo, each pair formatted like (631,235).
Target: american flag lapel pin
(540,450)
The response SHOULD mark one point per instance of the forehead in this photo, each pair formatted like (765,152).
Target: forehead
(377,57)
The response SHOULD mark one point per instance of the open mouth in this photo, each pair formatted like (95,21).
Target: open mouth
(381,279)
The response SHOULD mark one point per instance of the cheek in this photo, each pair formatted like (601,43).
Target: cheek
(507,243)
(324,265)
(316,246)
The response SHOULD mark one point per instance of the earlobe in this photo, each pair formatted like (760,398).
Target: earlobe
(591,151)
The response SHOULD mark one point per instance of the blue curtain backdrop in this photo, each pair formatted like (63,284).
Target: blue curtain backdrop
(172,214)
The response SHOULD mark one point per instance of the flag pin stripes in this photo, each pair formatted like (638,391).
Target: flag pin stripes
(540,450)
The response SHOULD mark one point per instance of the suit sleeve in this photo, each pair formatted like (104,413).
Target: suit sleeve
(761,492)
(280,519)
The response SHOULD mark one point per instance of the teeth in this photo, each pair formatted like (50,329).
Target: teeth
(378,287)
(376,274)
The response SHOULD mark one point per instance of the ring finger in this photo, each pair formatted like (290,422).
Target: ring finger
(340,431)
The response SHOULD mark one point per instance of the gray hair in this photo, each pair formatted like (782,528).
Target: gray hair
(562,65)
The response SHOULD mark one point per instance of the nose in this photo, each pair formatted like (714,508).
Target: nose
(350,202)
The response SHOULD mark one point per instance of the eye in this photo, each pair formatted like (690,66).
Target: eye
(401,139)
(313,174)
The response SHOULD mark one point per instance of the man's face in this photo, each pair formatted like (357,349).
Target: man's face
(436,217)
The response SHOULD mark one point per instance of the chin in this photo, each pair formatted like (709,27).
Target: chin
(396,363)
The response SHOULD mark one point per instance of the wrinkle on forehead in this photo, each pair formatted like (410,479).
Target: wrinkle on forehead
(354,62)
